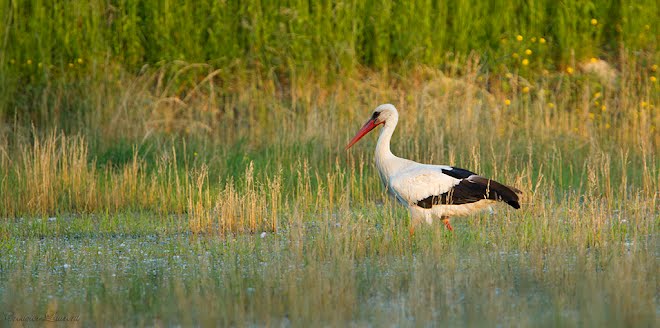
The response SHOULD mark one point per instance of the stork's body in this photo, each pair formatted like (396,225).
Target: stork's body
(430,191)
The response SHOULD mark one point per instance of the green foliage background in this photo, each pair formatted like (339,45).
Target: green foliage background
(316,35)
(43,41)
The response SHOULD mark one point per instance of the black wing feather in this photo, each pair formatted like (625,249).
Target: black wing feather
(471,189)
(458,173)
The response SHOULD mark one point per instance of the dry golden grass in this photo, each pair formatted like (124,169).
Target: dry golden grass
(445,118)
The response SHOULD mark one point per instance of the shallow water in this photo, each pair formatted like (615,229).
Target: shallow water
(322,274)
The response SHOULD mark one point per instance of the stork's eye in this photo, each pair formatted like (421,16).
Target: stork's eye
(375,115)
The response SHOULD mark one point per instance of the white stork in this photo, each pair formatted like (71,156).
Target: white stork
(430,191)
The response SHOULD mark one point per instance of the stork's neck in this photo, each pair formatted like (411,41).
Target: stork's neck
(386,162)
(383,145)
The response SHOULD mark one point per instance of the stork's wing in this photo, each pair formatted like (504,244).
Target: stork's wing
(421,181)
(428,185)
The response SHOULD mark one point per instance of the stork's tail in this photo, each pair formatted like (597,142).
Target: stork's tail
(506,194)
(498,191)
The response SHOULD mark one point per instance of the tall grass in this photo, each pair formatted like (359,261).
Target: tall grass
(315,35)
(52,49)
(233,162)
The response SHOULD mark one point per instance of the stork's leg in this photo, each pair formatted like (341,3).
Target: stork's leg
(445,220)
(415,219)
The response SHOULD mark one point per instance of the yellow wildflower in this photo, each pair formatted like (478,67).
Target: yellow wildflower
(514,55)
(29,62)
(607,125)
(507,102)
(80,61)
(597,95)
(591,116)
(653,79)
(525,89)
(654,67)
(594,21)
(528,52)
(603,108)
(519,37)
(525,62)
(551,105)
(542,40)
(593,59)
(569,70)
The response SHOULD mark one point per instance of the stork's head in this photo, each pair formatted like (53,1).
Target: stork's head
(383,114)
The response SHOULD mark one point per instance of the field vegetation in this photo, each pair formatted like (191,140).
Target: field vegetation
(184,163)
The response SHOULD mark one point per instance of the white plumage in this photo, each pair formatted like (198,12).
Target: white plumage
(429,191)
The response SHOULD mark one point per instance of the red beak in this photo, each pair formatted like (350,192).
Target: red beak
(370,125)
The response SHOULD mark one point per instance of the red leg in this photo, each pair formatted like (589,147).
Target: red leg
(445,220)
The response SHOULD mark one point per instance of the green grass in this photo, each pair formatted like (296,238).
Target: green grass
(190,170)
(316,35)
